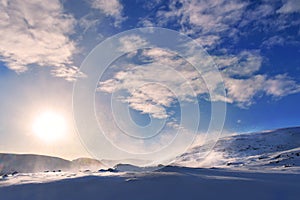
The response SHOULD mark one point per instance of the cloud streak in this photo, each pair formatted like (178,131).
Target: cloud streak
(290,6)
(204,20)
(246,63)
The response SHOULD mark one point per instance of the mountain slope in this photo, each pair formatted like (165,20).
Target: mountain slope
(275,149)
(278,149)
(29,163)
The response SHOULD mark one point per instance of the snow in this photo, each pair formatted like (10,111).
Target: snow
(270,150)
(169,183)
(249,166)
(29,163)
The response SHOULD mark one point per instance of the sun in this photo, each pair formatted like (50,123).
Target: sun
(49,126)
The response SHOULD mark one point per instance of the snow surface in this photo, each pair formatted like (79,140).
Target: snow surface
(169,183)
(249,166)
(269,150)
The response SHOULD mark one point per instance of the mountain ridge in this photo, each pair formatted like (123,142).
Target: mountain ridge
(271,149)
(30,163)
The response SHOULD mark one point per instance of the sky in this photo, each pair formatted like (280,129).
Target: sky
(253,48)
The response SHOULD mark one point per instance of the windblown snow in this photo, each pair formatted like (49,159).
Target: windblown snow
(262,165)
(269,150)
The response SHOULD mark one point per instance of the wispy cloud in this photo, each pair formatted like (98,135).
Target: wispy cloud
(242,80)
(290,6)
(206,19)
(221,23)
(274,41)
(244,64)
(131,43)
(68,73)
(244,91)
(36,33)
(156,84)
(111,8)
(149,100)
(281,85)
(88,22)
(268,17)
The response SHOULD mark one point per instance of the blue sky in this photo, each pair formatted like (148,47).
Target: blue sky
(255,45)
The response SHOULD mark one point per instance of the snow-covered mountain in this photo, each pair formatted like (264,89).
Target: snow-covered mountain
(254,157)
(276,149)
(29,163)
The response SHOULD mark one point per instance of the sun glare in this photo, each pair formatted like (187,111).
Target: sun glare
(49,126)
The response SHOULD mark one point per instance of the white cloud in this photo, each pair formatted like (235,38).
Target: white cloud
(267,17)
(281,85)
(131,43)
(220,21)
(146,23)
(171,72)
(88,22)
(154,86)
(149,100)
(244,64)
(209,22)
(208,41)
(243,91)
(68,73)
(35,32)
(257,13)
(204,19)
(150,5)
(289,6)
(273,41)
(112,8)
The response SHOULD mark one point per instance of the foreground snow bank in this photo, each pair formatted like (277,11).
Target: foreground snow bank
(168,183)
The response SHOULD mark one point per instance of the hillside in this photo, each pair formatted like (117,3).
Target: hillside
(249,166)
(29,163)
(275,149)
